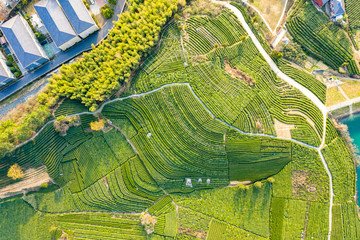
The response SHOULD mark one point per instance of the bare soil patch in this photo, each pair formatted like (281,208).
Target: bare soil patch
(105,182)
(33,178)
(197,234)
(235,183)
(283,129)
(307,119)
(300,182)
(236,73)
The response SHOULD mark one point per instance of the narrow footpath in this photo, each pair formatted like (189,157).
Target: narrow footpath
(280,74)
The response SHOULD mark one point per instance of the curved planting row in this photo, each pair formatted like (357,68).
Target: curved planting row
(352,8)
(305,79)
(45,149)
(255,157)
(205,33)
(171,139)
(340,162)
(314,32)
(101,226)
(68,107)
(129,188)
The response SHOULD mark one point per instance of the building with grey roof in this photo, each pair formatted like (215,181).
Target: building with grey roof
(337,9)
(79,17)
(23,43)
(6,75)
(56,23)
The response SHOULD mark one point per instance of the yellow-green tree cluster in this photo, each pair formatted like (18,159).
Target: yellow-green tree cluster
(12,132)
(100,72)
(95,77)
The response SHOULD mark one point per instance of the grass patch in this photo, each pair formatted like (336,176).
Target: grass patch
(334,96)
(351,88)
(271,10)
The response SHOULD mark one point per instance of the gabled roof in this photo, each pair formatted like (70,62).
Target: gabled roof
(22,42)
(321,3)
(77,14)
(55,21)
(5,72)
(338,7)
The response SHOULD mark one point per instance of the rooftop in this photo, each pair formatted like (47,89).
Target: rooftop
(5,72)
(25,47)
(55,21)
(77,14)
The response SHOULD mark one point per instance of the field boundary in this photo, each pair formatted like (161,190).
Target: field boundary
(295,84)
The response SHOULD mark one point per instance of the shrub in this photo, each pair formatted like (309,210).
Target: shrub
(17,74)
(40,37)
(258,185)
(106,11)
(270,179)
(294,52)
(276,55)
(44,185)
(241,186)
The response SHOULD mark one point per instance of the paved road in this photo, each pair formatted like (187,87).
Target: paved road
(64,57)
(269,60)
(295,84)
(344,104)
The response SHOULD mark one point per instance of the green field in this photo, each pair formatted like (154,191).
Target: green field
(202,120)
(352,8)
(321,38)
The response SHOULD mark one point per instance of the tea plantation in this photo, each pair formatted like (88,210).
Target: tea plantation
(206,143)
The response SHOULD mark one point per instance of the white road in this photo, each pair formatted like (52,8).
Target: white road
(280,74)
(295,84)
(347,103)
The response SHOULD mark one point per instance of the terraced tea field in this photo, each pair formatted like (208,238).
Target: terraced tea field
(207,143)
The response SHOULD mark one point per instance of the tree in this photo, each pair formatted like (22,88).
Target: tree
(62,124)
(177,17)
(113,2)
(182,3)
(97,125)
(276,55)
(258,184)
(294,52)
(15,172)
(270,179)
(106,11)
(148,221)
(241,186)
(40,37)
(17,74)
